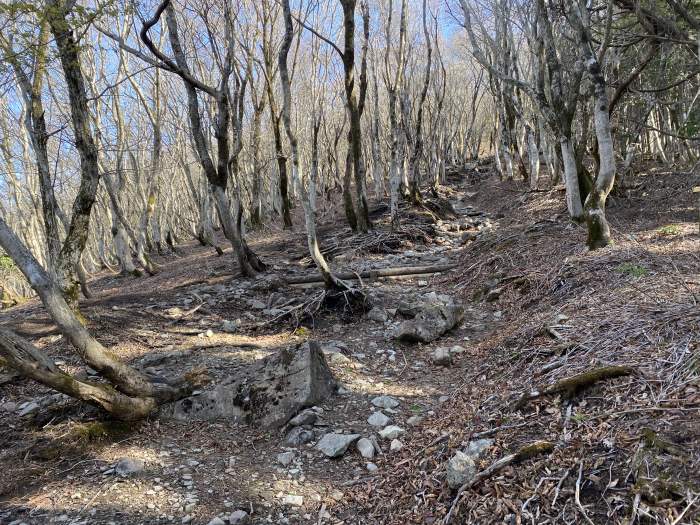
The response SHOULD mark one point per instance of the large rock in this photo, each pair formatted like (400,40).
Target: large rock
(334,445)
(431,320)
(267,393)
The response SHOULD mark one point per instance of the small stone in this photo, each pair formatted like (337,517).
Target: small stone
(377,314)
(422,283)
(443,399)
(305,417)
(336,358)
(477,447)
(391,432)
(299,436)
(442,356)
(128,467)
(257,305)
(365,448)
(460,469)
(293,500)
(240,517)
(457,349)
(396,445)
(29,409)
(285,458)
(378,419)
(209,333)
(9,406)
(385,402)
(186,519)
(469,236)
(371,467)
(414,421)
(231,327)
(334,445)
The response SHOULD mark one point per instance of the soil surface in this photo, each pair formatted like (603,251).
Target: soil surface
(539,308)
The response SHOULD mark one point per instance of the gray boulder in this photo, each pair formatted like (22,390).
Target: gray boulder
(267,393)
(430,322)
(334,445)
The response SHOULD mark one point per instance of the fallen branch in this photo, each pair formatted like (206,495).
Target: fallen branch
(526,452)
(374,274)
(570,386)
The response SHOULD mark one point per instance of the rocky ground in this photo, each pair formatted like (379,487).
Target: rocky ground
(436,377)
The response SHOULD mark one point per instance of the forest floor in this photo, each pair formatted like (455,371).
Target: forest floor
(539,308)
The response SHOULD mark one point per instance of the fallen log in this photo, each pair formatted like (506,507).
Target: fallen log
(375,274)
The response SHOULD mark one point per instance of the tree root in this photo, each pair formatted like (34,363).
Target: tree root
(570,386)
(29,361)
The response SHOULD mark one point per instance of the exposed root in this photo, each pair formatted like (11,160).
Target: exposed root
(570,386)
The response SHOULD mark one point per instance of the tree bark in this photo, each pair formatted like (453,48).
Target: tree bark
(594,210)
(76,238)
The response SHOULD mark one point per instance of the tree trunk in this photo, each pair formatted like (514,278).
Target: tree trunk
(126,379)
(594,211)
(31,362)
(76,238)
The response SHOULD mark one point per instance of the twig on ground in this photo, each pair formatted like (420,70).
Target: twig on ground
(577,496)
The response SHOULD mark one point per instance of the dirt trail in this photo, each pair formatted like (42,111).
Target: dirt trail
(199,470)
(538,308)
